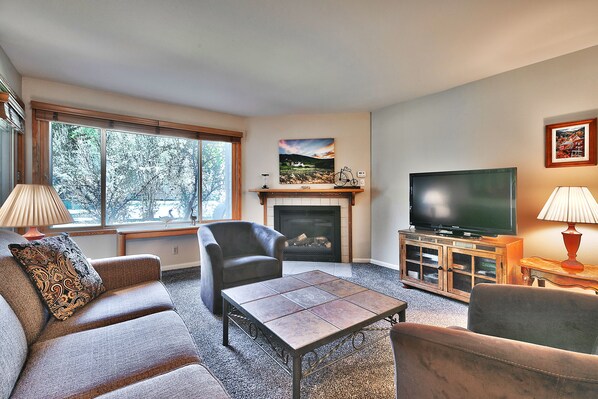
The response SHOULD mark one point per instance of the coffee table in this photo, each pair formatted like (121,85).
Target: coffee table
(297,315)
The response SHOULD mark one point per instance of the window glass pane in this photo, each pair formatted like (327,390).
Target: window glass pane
(216,183)
(76,170)
(6,160)
(150,178)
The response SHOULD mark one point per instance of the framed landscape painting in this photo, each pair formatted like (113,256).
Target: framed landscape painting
(571,144)
(306,161)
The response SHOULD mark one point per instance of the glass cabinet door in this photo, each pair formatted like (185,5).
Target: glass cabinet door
(466,269)
(423,263)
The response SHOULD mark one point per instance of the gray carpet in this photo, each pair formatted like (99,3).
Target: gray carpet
(248,373)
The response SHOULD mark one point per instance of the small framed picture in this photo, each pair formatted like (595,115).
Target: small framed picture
(571,144)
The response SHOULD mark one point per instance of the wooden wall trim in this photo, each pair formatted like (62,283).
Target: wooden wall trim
(37,105)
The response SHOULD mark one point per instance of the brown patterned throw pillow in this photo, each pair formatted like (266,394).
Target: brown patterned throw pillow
(61,273)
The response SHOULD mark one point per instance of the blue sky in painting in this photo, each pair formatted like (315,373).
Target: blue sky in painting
(315,148)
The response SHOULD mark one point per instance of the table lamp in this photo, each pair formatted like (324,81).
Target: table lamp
(33,205)
(571,205)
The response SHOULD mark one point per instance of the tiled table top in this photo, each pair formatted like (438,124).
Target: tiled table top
(305,308)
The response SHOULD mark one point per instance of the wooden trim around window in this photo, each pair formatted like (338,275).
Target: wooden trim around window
(236,168)
(53,112)
(44,113)
(40,141)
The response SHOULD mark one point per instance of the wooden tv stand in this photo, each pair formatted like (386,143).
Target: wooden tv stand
(451,266)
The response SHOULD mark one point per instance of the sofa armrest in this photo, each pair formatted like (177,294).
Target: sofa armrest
(123,271)
(557,318)
(452,363)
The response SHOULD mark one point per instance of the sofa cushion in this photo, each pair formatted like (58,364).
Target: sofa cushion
(249,268)
(113,307)
(189,382)
(61,273)
(18,290)
(97,361)
(13,348)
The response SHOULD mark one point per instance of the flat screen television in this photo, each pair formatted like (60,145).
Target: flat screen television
(465,202)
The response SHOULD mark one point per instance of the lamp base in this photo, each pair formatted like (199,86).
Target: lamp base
(572,239)
(573,265)
(33,234)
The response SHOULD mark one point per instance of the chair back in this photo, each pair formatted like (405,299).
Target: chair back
(557,318)
(236,238)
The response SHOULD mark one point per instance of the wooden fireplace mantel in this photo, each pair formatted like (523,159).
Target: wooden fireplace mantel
(264,193)
(348,193)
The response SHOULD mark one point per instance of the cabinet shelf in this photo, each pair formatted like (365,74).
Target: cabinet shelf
(453,266)
(489,278)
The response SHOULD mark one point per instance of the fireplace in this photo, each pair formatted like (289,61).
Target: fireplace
(313,232)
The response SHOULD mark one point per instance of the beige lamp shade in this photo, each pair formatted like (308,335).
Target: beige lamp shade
(571,205)
(33,205)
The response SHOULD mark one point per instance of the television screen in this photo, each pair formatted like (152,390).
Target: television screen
(468,201)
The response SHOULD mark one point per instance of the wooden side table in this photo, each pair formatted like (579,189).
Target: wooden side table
(125,235)
(543,270)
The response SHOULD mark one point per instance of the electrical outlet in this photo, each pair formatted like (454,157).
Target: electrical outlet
(175,250)
(361,173)
(362,182)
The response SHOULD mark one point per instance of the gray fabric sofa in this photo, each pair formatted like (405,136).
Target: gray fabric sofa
(236,253)
(520,342)
(127,343)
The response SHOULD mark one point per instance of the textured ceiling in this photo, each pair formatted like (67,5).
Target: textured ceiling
(272,57)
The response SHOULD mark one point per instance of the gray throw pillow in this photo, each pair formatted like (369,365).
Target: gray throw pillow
(61,273)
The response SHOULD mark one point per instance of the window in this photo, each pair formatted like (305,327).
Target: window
(7,146)
(12,126)
(107,175)
(76,171)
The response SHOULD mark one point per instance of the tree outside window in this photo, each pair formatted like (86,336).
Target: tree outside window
(146,176)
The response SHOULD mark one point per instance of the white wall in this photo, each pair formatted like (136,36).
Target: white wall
(351,133)
(9,73)
(495,122)
(260,153)
(58,93)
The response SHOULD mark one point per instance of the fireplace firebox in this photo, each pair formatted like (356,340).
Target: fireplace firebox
(313,232)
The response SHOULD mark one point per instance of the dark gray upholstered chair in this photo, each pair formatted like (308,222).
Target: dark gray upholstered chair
(236,253)
(520,342)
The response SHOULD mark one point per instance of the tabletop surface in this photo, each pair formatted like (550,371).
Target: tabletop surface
(308,307)
(590,272)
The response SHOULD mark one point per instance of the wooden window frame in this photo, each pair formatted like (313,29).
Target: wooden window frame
(44,113)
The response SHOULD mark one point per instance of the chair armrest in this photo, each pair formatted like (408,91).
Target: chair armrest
(450,363)
(210,251)
(272,241)
(123,271)
(557,318)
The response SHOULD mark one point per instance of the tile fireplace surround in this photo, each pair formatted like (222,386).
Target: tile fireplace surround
(345,198)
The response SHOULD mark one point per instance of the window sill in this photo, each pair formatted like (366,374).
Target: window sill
(133,234)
